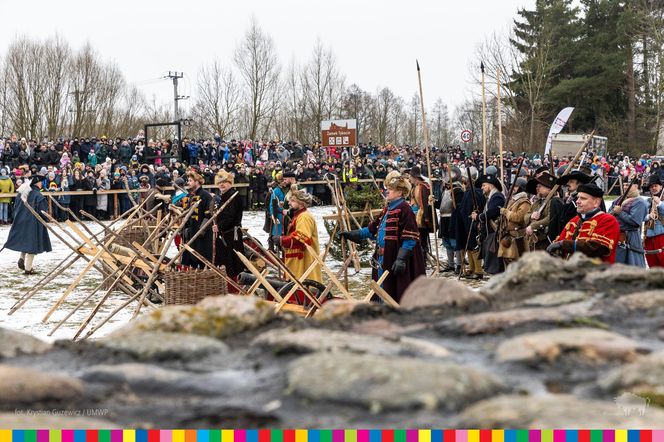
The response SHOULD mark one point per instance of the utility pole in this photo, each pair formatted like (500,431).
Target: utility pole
(175,76)
(77,111)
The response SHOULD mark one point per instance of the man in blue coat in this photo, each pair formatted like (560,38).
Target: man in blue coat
(28,235)
(631,215)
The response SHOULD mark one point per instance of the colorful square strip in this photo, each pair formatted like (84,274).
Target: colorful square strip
(331,435)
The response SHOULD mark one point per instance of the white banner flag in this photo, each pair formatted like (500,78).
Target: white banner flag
(557,126)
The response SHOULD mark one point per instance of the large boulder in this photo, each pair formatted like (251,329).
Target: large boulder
(536,273)
(312,340)
(492,322)
(339,309)
(621,279)
(20,385)
(554,411)
(394,383)
(440,292)
(648,301)
(13,343)
(556,298)
(592,344)
(163,345)
(144,376)
(216,316)
(644,377)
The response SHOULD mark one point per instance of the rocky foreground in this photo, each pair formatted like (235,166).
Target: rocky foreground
(548,344)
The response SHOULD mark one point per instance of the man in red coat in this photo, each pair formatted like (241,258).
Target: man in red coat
(593,232)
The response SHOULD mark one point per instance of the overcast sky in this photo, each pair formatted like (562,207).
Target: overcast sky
(376,43)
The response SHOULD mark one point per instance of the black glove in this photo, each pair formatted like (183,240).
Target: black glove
(186,234)
(554,247)
(276,240)
(399,265)
(352,235)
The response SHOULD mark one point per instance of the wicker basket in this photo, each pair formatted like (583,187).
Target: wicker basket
(127,236)
(191,286)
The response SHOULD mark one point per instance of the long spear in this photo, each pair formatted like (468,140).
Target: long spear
(500,128)
(483,119)
(426,150)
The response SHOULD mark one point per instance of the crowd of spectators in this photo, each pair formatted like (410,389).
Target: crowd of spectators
(94,164)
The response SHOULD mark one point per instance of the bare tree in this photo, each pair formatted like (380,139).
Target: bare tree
(258,64)
(57,55)
(498,54)
(322,86)
(26,85)
(218,101)
(84,77)
(357,105)
(293,109)
(439,124)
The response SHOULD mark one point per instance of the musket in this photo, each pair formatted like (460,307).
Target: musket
(508,198)
(554,191)
(425,134)
(472,188)
(653,210)
(476,210)
(623,196)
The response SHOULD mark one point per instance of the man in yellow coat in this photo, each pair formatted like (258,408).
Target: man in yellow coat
(301,230)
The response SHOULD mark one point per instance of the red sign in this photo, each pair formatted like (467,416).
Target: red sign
(341,133)
(466,136)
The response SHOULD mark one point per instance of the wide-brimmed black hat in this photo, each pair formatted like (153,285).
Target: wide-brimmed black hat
(574,175)
(546,180)
(415,172)
(541,169)
(491,179)
(289,174)
(591,189)
(652,180)
(163,182)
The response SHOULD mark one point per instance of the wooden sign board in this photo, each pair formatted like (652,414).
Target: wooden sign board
(341,133)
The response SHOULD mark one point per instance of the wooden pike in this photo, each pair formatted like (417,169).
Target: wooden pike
(554,191)
(500,127)
(108,291)
(82,303)
(75,255)
(259,276)
(101,302)
(383,294)
(58,270)
(100,254)
(256,283)
(292,291)
(380,281)
(297,282)
(431,201)
(344,223)
(328,288)
(168,243)
(281,266)
(50,229)
(483,118)
(91,262)
(329,273)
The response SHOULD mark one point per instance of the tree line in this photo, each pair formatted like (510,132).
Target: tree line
(603,57)
(48,89)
